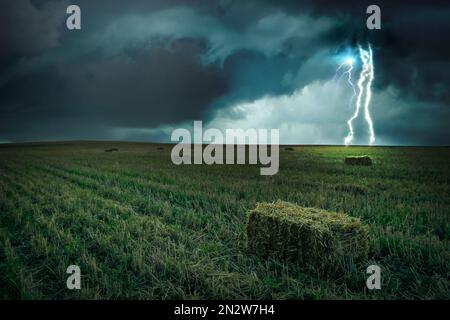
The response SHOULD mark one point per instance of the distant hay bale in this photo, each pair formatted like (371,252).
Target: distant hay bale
(111,150)
(289,149)
(160,148)
(358,160)
(315,238)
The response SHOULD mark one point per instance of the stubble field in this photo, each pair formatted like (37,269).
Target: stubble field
(140,227)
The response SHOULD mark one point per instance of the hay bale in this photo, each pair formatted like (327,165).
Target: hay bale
(315,238)
(289,149)
(111,150)
(358,160)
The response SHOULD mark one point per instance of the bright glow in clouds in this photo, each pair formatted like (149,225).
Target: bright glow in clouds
(350,61)
(365,86)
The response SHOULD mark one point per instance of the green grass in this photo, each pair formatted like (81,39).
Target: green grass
(140,227)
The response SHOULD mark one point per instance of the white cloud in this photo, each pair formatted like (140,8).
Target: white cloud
(315,114)
(318,114)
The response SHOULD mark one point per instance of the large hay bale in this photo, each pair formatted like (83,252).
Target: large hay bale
(312,237)
(358,160)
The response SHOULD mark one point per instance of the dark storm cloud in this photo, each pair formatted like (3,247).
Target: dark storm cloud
(148,64)
(26,30)
(142,87)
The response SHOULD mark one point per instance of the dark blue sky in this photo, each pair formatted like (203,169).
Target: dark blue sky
(138,69)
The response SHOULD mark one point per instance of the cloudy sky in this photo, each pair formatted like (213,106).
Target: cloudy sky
(138,69)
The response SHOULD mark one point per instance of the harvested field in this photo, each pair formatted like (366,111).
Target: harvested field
(140,227)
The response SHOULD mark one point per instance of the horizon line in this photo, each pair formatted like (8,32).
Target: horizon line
(6,143)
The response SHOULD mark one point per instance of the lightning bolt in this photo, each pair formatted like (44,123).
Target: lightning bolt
(369,61)
(348,63)
(364,84)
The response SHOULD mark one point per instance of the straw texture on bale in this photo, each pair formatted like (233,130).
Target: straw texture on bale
(358,160)
(312,237)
